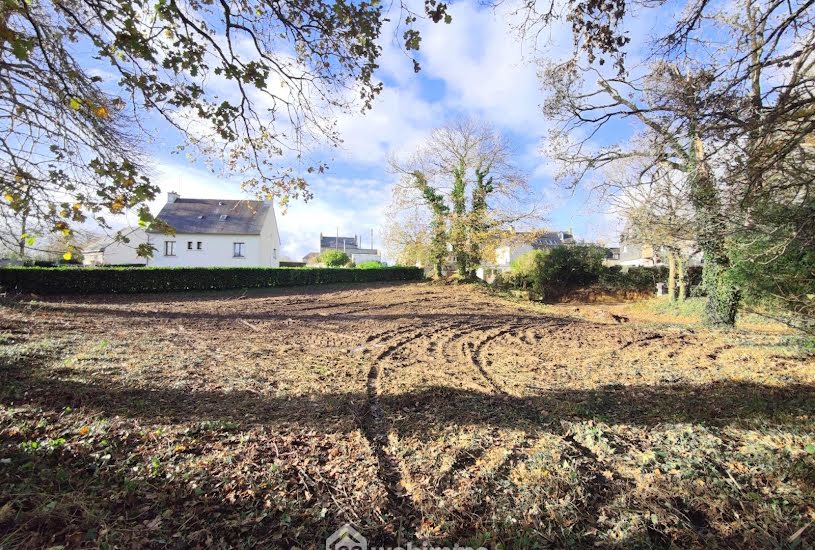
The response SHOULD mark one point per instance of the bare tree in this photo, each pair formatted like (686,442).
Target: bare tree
(465,175)
(658,212)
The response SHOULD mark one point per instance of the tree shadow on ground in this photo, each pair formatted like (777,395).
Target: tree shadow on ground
(427,410)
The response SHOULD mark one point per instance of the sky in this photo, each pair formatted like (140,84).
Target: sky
(475,67)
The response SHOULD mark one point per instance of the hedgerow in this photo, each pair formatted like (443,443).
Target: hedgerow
(59,280)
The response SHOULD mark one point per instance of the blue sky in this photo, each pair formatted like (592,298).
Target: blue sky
(474,67)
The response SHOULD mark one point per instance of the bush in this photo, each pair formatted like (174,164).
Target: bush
(373,264)
(63,280)
(522,269)
(635,278)
(562,268)
(334,258)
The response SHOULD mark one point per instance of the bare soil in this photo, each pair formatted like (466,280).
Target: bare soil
(418,413)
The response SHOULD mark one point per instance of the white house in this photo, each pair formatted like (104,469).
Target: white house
(631,254)
(517,245)
(110,250)
(216,233)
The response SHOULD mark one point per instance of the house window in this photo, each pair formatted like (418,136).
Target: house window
(198,245)
(189,245)
(238,250)
(274,253)
(169,248)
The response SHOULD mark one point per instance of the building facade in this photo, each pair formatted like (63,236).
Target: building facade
(216,233)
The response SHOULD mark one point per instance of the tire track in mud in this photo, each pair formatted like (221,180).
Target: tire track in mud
(460,341)
(401,504)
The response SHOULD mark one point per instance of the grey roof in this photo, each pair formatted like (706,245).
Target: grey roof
(338,242)
(215,216)
(541,239)
(552,238)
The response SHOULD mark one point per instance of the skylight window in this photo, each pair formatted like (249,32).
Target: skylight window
(223,217)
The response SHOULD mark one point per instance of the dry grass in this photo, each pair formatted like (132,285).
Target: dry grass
(416,412)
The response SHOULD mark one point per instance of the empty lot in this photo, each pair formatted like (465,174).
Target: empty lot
(415,412)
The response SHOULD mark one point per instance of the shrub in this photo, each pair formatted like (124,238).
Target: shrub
(635,278)
(65,280)
(564,267)
(373,264)
(522,269)
(334,258)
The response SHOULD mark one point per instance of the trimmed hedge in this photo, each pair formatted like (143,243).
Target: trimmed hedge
(92,280)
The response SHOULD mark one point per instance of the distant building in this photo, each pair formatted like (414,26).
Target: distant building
(634,254)
(518,244)
(351,246)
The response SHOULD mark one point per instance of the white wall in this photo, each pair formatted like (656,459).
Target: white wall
(118,253)
(360,258)
(505,255)
(216,251)
(270,241)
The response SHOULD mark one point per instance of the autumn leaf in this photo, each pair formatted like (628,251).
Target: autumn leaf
(101,111)
(75,103)
(67,256)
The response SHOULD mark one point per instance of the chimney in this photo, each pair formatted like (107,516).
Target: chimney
(172,196)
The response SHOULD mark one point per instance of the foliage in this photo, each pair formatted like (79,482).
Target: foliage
(634,278)
(152,279)
(242,83)
(522,269)
(373,264)
(334,258)
(565,267)
(788,286)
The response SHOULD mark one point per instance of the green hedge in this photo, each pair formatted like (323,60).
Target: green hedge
(92,280)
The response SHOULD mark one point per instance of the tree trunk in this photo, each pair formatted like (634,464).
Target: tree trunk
(722,295)
(682,277)
(671,276)
(23,236)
